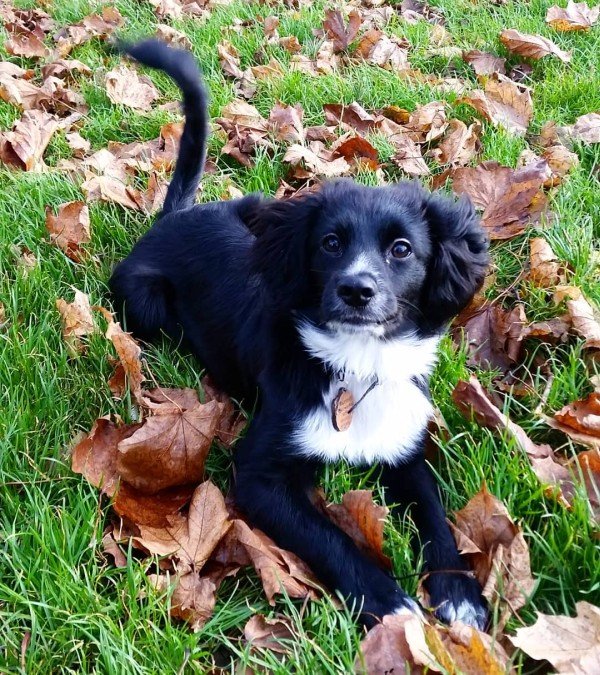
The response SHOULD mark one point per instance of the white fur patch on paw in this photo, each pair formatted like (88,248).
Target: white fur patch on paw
(409,608)
(466,613)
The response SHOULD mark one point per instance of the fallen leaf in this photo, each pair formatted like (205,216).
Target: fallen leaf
(362,520)
(173,36)
(585,322)
(279,570)
(77,320)
(229,58)
(263,633)
(427,122)
(377,48)
(290,44)
(192,597)
(95,456)
(167,401)
(243,114)
(586,129)
(24,42)
(570,644)
(70,228)
(24,146)
(580,420)
(22,93)
(152,510)
(192,538)
(317,160)
(80,146)
(339,32)
(560,160)
(531,46)
(110,189)
(544,268)
(576,16)
(588,463)
(503,103)
(64,69)
(408,155)
(497,552)
(170,449)
(286,122)
(357,149)
(352,117)
(460,144)
(127,87)
(111,547)
(484,63)
(511,199)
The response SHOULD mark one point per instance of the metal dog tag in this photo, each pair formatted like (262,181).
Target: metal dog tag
(341,410)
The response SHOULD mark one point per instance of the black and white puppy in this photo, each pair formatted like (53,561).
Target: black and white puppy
(335,299)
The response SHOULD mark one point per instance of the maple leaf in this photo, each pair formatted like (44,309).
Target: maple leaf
(510,198)
(77,321)
(570,644)
(24,146)
(127,87)
(531,46)
(356,149)
(503,103)
(339,32)
(70,228)
(192,598)
(192,538)
(575,16)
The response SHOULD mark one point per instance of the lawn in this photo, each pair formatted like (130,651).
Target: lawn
(63,606)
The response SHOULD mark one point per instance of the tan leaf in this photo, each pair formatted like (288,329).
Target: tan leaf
(192,538)
(585,321)
(22,93)
(428,122)
(24,42)
(408,155)
(70,228)
(111,547)
(103,24)
(80,146)
(270,26)
(170,449)
(109,189)
(496,550)
(560,160)
(352,117)
(377,48)
(274,565)
(459,145)
(290,44)
(24,146)
(167,401)
(588,463)
(64,68)
(316,159)
(127,87)
(531,46)
(271,69)
(570,644)
(576,16)
(338,31)
(581,420)
(484,63)
(241,113)
(586,129)
(503,103)
(95,457)
(129,353)
(173,36)
(510,199)
(544,268)
(77,320)
(229,58)
(286,122)
(263,633)
(192,597)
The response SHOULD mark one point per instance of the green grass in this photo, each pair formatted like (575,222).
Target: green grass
(85,616)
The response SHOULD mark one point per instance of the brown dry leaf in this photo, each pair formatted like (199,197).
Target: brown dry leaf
(80,146)
(91,26)
(484,63)
(497,551)
(317,159)
(362,520)
(286,122)
(385,649)
(494,337)
(588,463)
(191,539)
(580,420)
(24,42)
(575,16)
(408,154)
(192,597)
(570,644)
(70,228)
(586,129)
(110,189)
(357,149)
(352,117)
(64,69)
(531,46)
(560,160)
(263,633)
(173,36)
(377,48)
(241,113)
(232,420)
(229,58)
(428,122)
(279,570)
(22,93)
(166,401)
(544,268)
(24,146)
(170,449)
(459,145)
(77,320)
(503,103)
(270,26)
(290,44)
(95,457)
(127,87)
(585,322)
(152,510)
(340,33)
(511,199)
(111,547)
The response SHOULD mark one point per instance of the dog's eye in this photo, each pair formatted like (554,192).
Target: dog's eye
(401,248)
(331,244)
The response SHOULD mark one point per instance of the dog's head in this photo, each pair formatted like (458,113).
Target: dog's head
(383,260)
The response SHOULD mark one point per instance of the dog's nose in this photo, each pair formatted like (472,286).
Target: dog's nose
(357,290)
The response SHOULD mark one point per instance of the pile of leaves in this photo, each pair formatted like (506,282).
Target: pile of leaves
(153,469)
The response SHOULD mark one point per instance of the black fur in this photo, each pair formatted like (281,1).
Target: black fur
(234,278)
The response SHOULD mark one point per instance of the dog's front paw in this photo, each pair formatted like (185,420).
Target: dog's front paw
(408,607)
(457,597)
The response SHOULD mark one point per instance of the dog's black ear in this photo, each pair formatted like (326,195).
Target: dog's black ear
(280,253)
(459,256)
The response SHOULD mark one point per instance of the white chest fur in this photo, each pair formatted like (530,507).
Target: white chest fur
(388,421)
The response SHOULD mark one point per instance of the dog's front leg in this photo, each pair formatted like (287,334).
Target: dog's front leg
(453,591)
(274,493)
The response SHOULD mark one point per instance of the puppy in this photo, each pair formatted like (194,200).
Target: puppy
(331,306)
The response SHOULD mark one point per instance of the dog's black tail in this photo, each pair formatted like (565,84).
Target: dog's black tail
(181,66)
